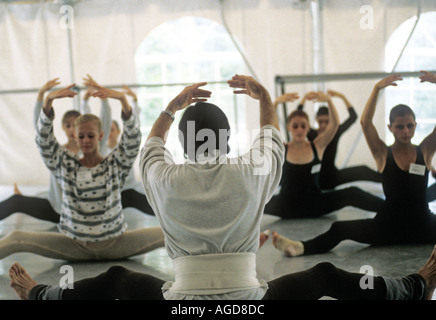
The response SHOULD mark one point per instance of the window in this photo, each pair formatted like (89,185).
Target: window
(184,51)
(420,54)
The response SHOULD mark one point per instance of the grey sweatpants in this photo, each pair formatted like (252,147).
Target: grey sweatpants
(59,246)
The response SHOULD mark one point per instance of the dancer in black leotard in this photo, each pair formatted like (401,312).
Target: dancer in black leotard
(330,176)
(405,216)
(300,195)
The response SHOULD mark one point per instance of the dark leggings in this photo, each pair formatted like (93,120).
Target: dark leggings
(324,279)
(322,203)
(41,208)
(331,177)
(375,232)
(131,198)
(38,208)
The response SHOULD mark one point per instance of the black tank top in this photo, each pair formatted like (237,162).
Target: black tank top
(405,191)
(301,178)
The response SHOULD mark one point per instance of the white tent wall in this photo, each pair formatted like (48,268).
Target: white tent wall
(275,36)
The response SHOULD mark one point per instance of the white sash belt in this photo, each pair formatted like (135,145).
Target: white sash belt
(213,273)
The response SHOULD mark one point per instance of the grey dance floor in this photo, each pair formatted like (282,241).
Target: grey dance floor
(389,261)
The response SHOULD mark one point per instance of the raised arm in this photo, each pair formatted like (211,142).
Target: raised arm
(46,87)
(377,147)
(323,139)
(252,88)
(84,106)
(428,145)
(40,99)
(287,97)
(128,147)
(57,94)
(341,96)
(352,115)
(307,96)
(189,95)
(45,139)
(136,108)
(106,93)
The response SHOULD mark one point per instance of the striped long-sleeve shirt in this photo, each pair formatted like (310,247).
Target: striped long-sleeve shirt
(54,195)
(91,197)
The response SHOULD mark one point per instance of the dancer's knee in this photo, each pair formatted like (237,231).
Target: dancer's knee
(16,236)
(115,272)
(326,269)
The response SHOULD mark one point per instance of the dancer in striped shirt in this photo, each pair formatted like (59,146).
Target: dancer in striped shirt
(92,223)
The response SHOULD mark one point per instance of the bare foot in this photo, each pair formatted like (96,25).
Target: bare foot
(263,237)
(289,247)
(428,272)
(20,281)
(16,190)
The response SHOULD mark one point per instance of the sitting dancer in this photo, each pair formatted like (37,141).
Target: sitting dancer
(210,210)
(405,216)
(300,195)
(132,194)
(49,208)
(91,225)
(330,176)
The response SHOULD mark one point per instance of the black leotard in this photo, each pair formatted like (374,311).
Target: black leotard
(404,217)
(300,195)
(404,191)
(299,179)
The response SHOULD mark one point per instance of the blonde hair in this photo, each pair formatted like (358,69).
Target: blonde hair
(88,118)
(70,114)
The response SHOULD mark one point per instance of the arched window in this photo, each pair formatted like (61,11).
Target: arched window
(184,51)
(420,54)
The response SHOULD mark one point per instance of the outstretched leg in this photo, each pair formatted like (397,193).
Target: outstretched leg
(334,200)
(324,279)
(48,244)
(38,208)
(131,198)
(330,178)
(367,231)
(116,283)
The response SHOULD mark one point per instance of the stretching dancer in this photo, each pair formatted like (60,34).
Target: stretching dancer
(405,216)
(92,225)
(49,208)
(210,210)
(300,194)
(132,194)
(330,176)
